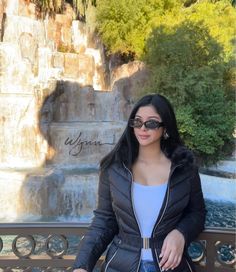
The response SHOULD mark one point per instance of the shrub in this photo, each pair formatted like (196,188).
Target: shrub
(124,25)
(190,67)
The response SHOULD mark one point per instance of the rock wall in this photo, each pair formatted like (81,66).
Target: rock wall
(62,110)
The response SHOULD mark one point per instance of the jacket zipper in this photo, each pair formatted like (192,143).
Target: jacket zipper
(157,223)
(168,191)
(110,260)
(188,265)
(135,219)
(167,199)
(135,215)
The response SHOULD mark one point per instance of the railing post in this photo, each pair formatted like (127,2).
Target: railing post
(210,254)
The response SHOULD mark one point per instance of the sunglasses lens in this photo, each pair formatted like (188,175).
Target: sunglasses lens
(135,123)
(152,124)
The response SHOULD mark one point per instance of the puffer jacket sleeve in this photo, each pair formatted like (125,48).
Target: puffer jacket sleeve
(102,229)
(193,219)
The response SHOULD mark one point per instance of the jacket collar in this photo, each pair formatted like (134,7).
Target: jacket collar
(182,156)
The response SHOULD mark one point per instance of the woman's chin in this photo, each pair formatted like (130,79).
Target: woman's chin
(144,142)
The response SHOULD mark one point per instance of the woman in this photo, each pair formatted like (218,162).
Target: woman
(150,202)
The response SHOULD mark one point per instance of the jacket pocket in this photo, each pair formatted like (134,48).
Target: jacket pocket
(121,258)
(184,266)
(111,253)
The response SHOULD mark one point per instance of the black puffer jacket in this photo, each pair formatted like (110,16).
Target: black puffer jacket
(115,222)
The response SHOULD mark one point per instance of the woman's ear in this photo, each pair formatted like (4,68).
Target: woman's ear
(165,135)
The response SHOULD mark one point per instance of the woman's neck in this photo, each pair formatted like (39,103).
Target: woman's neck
(150,153)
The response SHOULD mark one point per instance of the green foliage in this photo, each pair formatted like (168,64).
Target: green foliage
(190,67)
(50,7)
(125,25)
(82,7)
(219,20)
(115,25)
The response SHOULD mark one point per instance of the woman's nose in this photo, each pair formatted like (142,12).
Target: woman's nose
(143,127)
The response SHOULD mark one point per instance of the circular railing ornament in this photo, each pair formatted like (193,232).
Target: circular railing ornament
(1,244)
(225,253)
(8,269)
(27,250)
(197,251)
(54,243)
(47,269)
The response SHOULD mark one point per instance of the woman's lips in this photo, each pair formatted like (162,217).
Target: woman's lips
(143,137)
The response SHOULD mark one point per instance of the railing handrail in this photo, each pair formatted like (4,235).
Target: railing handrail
(86,225)
(44,224)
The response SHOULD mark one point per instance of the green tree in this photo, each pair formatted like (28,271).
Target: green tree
(188,66)
(219,18)
(125,25)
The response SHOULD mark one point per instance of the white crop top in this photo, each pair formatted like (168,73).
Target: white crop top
(148,200)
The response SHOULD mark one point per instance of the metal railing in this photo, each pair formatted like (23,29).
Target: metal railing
(52,247)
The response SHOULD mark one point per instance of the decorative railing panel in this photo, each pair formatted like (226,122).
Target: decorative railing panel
(52,247)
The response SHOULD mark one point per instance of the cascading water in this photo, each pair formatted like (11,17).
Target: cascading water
(10,184)
(48,133)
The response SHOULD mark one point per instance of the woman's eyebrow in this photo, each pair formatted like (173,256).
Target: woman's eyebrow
(152,116)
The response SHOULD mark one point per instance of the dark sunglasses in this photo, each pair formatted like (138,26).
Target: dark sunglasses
(150,124)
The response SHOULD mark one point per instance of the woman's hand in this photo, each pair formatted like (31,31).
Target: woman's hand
(79,270)
(172,250)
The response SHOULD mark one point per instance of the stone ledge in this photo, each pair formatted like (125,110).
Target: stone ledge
(225,169)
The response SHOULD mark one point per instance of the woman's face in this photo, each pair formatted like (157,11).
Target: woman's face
(144,135)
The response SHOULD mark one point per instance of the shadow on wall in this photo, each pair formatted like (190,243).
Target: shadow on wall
(81,126)
(79,115)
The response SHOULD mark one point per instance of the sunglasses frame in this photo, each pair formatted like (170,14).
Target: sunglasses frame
(159,124)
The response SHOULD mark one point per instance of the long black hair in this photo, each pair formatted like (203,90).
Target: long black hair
(127,148)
